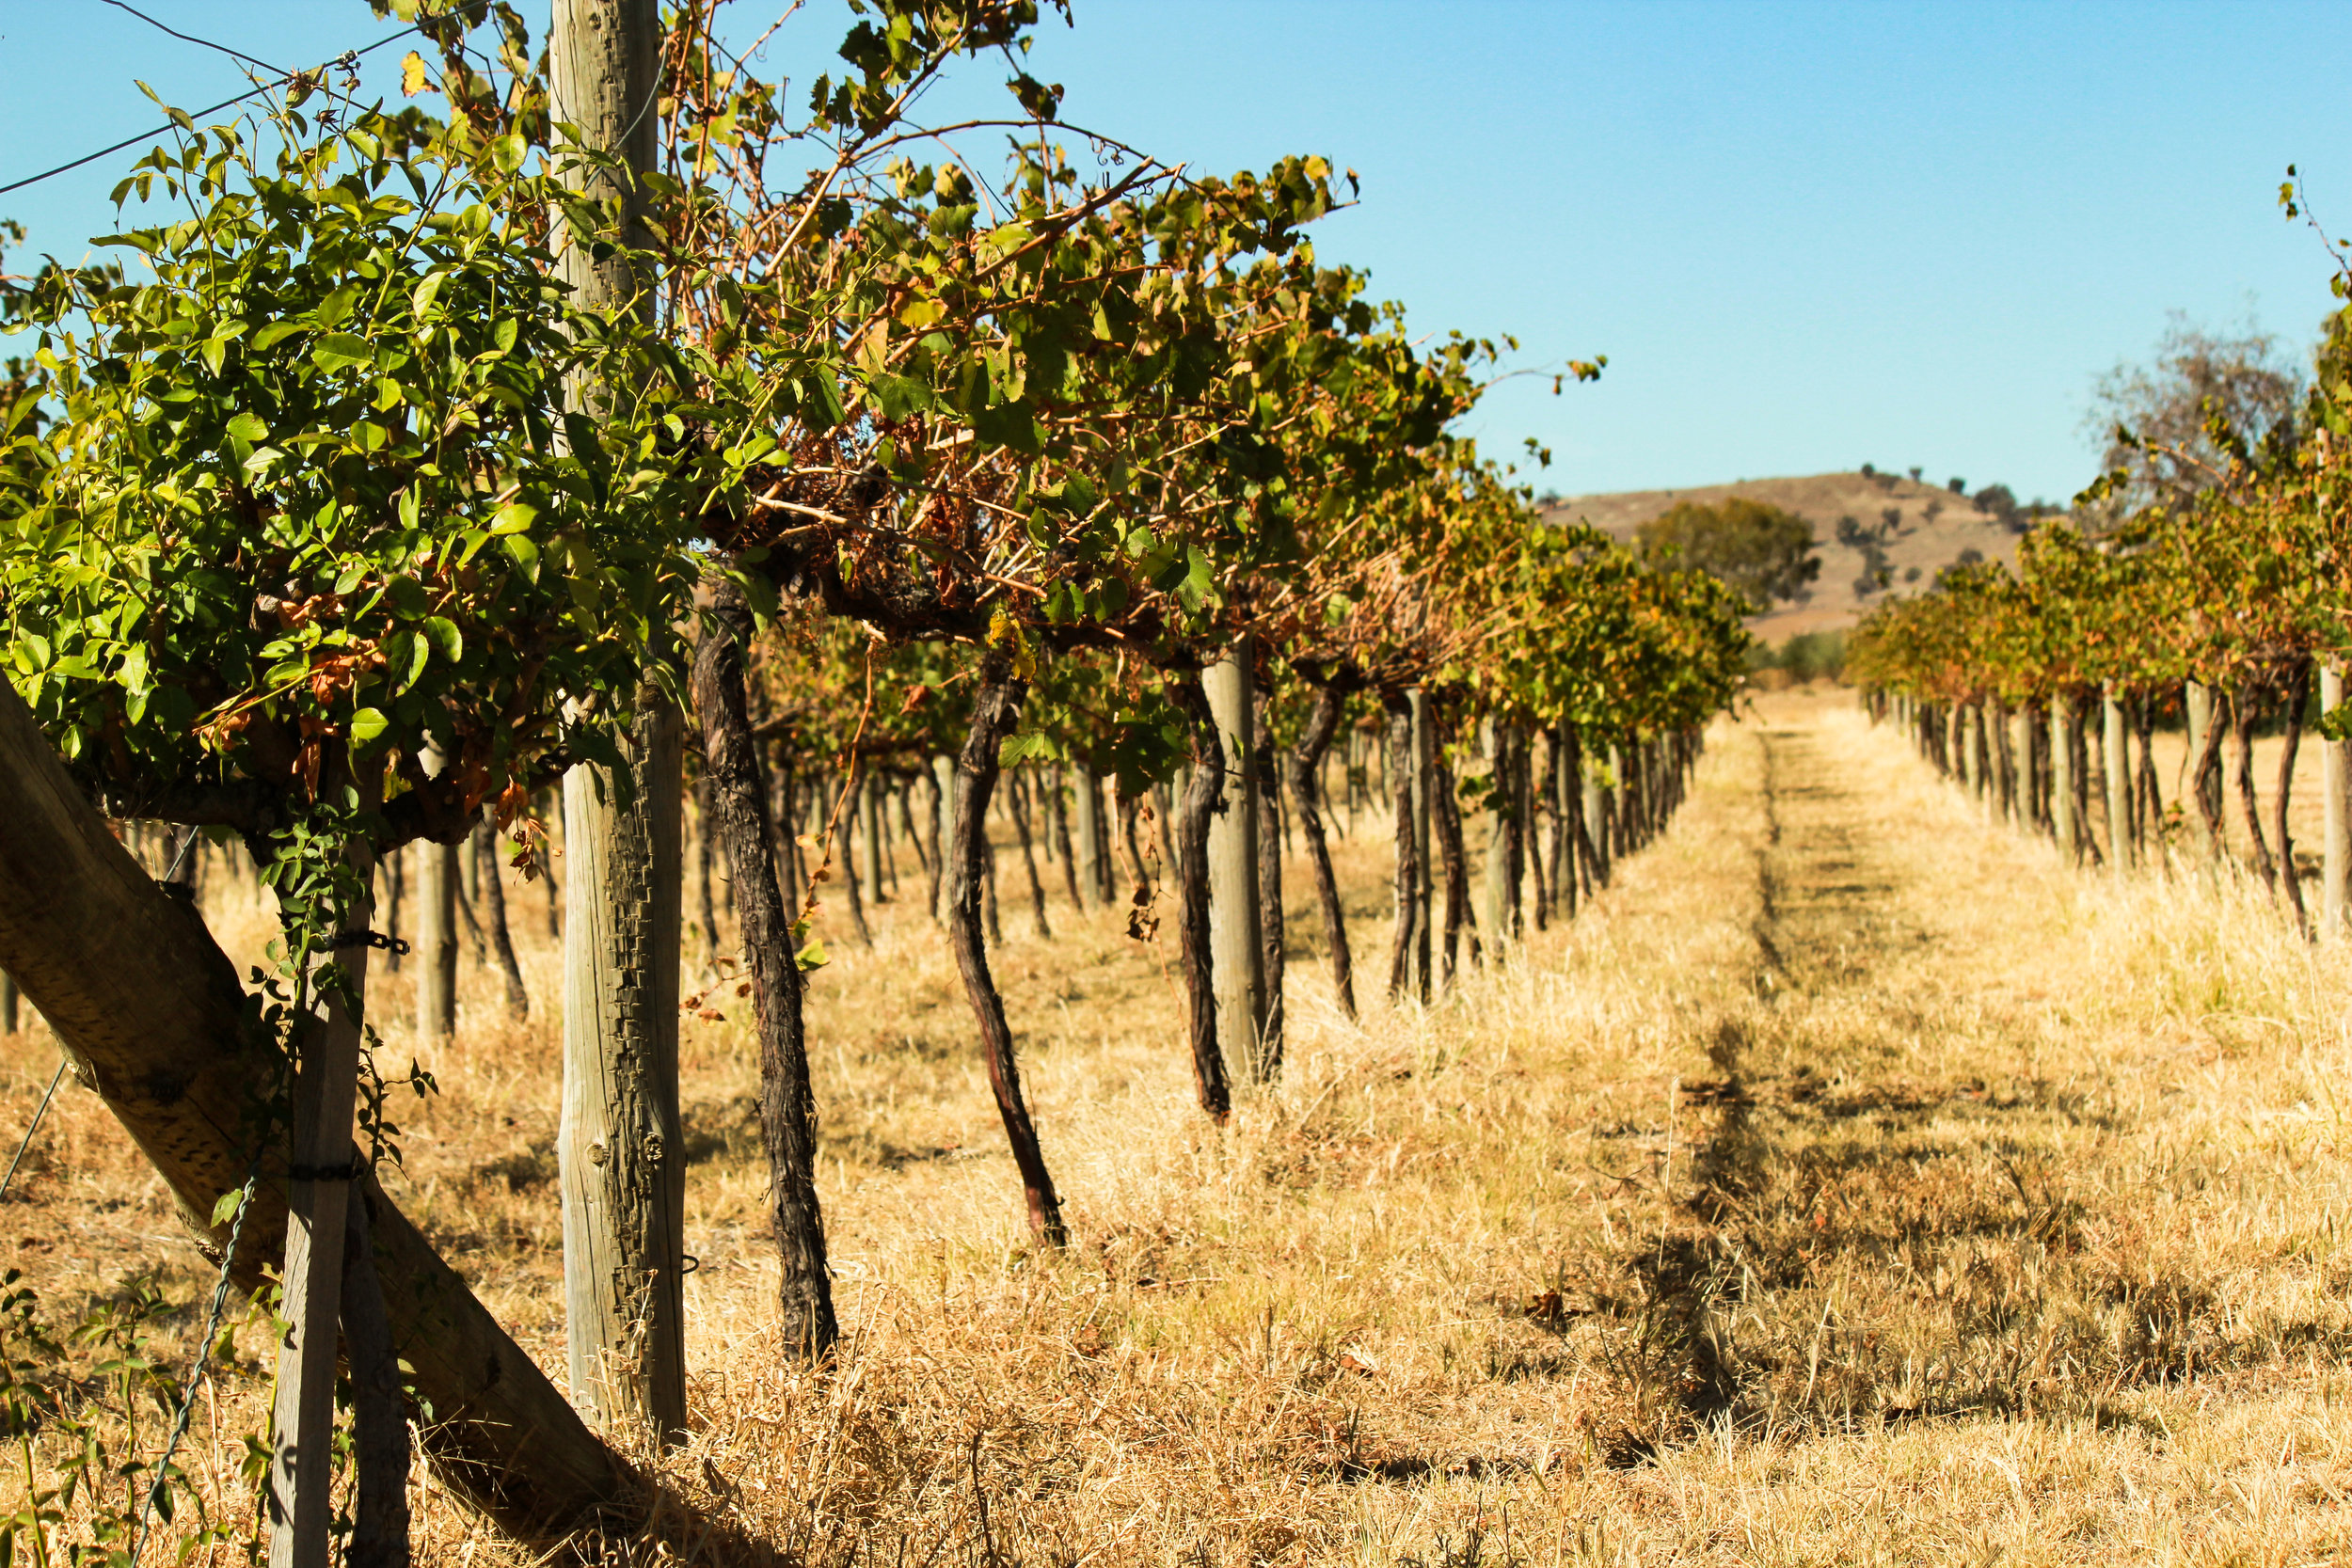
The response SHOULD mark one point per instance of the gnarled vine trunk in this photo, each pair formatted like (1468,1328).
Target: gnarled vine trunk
(788,1107)
(1461,919)
(494,919)
(1400,781)
(994,712)
(1267,786)
(2298,691)
(1306,770)
(1204,795)
(2244,708)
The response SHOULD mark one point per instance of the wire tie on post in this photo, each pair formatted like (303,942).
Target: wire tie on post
(397,946)
(350,1171)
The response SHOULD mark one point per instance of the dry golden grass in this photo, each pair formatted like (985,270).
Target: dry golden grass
(1853,1184)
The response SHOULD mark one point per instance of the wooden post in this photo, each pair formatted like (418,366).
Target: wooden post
(437,934)
(7,1003)
(869,805)
(2061,776)
(2021,793)
(1089,836)
(943,775)
(1988,764)
(1597,817)
(2336,811)
(321,1165)
(2197,702)
(1237,951)
(1620,796)
(1570,805)
(1496,913)
(2119,758)
(618,1146)
(1424,892)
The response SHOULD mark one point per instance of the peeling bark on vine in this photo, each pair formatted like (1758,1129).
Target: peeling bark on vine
(994,712)
(787,1108)
(1306,765)
(1204,796)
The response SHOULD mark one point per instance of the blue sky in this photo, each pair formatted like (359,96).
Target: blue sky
(1806,236)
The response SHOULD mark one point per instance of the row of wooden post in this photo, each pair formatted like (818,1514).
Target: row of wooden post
(2039,779)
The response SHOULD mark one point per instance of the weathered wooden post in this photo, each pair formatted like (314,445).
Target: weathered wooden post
(2197,703)
(1988,764)
(2063,775)
(1424,762)
(870,830)
(437,934)
(1597,814)
(618,1146)
(1570,805)
(2118,734)
(944,779)
(1500,800)
(1088,835)
(2022,790)
(7,1003)
(1236,947)
(2336,807)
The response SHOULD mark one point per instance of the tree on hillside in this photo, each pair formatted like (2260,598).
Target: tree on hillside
(1762,552)
(2163,404)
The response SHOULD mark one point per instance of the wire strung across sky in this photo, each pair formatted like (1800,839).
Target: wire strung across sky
(191,37)
(348,57)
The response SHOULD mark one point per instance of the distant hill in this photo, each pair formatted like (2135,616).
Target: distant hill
(1917,530)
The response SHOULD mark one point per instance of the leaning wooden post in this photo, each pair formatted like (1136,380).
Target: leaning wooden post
(2335,760)
(2119,748)
(618,1146)
(322,1164)
(1236,948)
